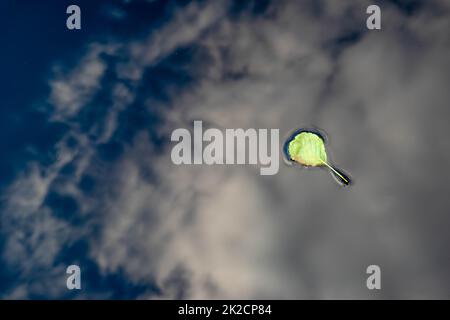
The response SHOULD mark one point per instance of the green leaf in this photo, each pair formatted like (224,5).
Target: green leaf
(308,149)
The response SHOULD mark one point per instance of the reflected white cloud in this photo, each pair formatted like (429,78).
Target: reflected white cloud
(227,232)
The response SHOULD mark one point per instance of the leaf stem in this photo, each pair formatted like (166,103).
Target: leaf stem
(335,171)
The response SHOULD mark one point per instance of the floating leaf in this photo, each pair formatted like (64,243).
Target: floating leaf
(308,149)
